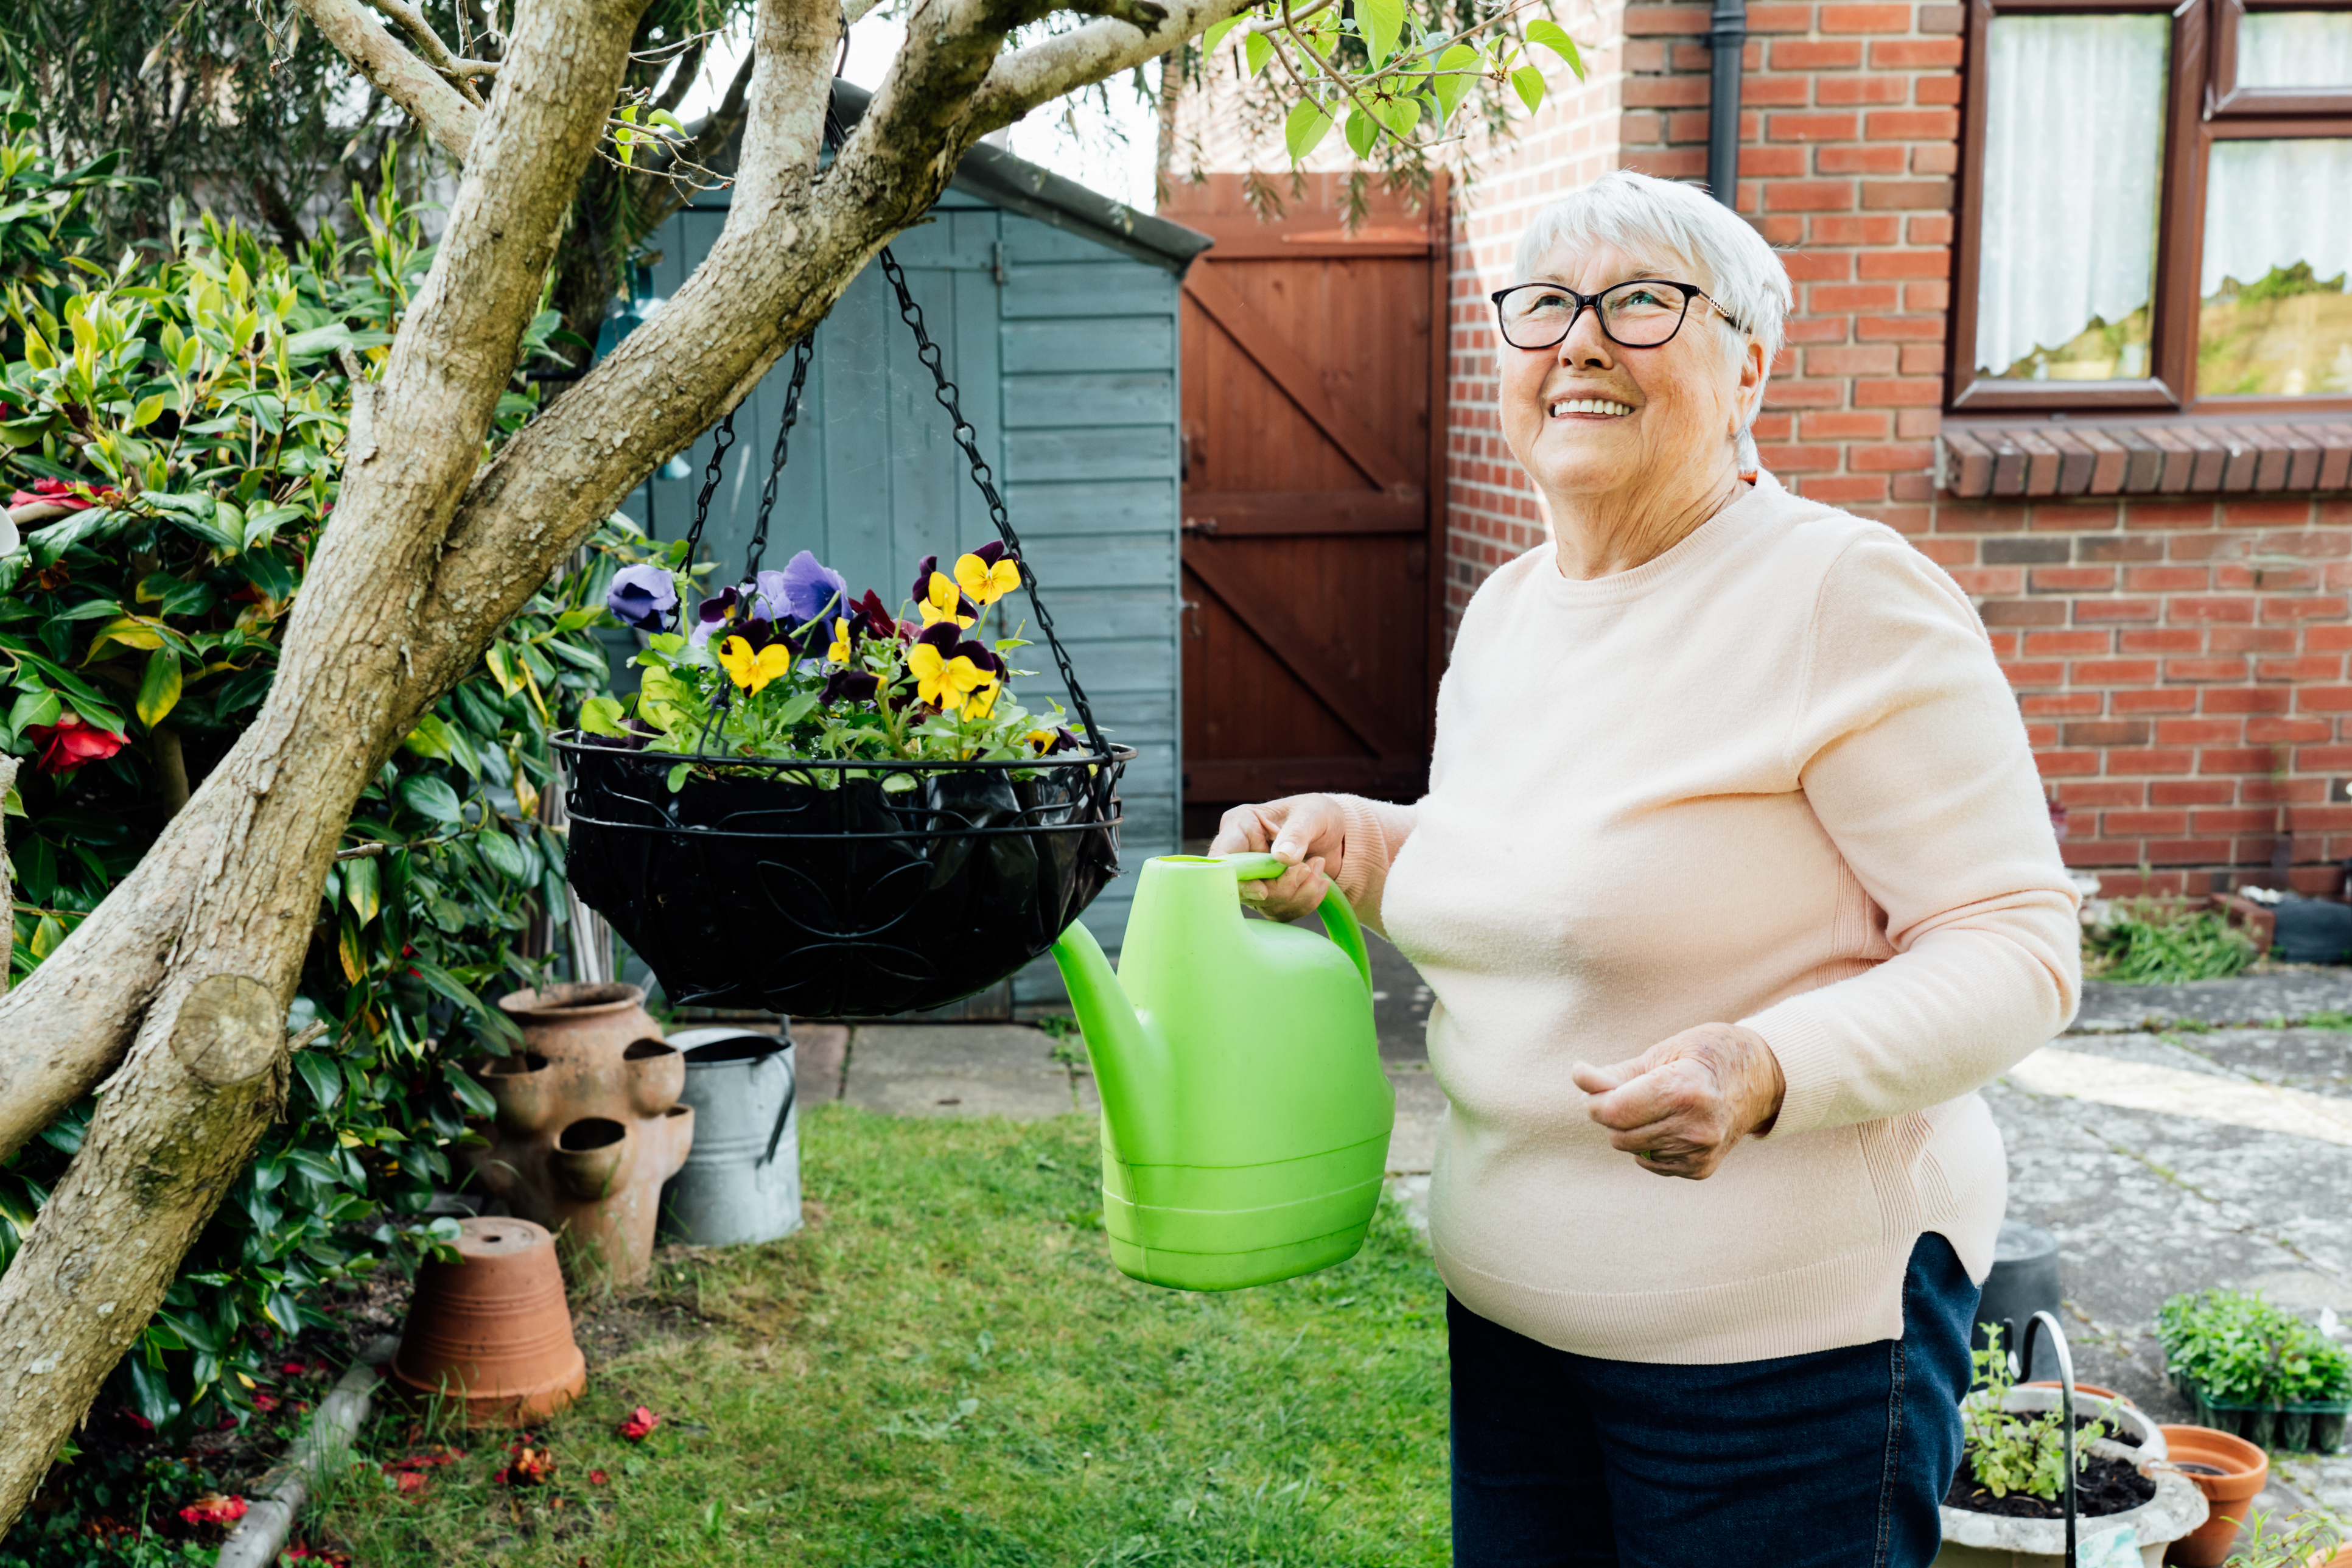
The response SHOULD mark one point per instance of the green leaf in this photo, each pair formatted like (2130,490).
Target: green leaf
(601,716)
(359,888)
(1217,31)
(1554,36)
(1256,49)
(320,1073)
(1457,68)
(502,853)
(148,410)
(159,689)
(469,1093)
(1362,134)
(1381,21)
(1531,85)
(431,797)
(34,705)
(1304,130)
(430,740)
(677,776)
(1399,114)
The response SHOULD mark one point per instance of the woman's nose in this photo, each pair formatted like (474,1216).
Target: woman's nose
(1586,344)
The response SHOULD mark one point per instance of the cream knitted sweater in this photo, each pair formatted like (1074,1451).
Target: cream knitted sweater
(1772,777)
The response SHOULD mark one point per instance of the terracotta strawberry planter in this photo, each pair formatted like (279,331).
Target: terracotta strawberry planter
(491,1333)
(588,1125)
(2245,1469)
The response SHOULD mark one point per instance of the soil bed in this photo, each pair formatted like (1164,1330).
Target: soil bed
(2107,1486)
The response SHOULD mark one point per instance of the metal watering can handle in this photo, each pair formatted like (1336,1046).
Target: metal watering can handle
(791,1093)
(1339,918)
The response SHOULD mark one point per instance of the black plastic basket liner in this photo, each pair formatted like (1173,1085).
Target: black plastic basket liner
(814,893)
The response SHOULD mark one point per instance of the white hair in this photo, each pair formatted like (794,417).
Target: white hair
(1643,216)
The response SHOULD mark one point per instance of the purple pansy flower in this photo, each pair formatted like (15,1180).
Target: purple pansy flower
(806,589)
(642,596)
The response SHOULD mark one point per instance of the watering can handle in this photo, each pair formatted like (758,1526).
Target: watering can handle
(791,1093)
(1339,918)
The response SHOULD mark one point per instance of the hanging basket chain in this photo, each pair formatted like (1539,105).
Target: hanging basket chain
(966,436)
(802,352)
(723,437)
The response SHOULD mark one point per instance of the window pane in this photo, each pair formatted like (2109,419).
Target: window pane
(2074,159)
(2278,244)
(2295,48)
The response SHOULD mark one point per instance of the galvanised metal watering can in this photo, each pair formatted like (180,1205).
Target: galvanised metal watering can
(1245,1117)
(741,1181)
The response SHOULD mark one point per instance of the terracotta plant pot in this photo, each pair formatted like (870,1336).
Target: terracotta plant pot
(584,1143)
(657,1072)
(2246,1468)
(489,1332)
(523,1086)
(2085,1390)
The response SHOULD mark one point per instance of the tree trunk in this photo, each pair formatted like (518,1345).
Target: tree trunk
(183,974)
(171,1133)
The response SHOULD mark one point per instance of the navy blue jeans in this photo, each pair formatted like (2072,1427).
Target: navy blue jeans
(1836,1459)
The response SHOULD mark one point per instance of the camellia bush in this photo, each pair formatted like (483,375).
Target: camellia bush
(172,430)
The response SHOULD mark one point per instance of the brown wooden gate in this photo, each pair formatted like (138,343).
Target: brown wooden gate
(1314,495)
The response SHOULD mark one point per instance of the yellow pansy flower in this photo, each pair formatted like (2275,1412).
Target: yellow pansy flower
(942,681)
(942,602)
(839,652)
(754,670)
(983,698)
(984,582)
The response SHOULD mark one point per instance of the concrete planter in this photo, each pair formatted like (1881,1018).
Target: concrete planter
(1973,1540)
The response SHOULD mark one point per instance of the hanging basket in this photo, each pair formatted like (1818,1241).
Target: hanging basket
(817,893)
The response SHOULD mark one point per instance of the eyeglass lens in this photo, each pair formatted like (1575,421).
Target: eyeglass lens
(1637,315)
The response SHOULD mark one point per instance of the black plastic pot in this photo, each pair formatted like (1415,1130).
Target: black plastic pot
(811,889)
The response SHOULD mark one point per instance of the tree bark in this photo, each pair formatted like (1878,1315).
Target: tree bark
(175,1128)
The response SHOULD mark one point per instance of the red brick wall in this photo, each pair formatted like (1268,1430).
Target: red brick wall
(2179,661)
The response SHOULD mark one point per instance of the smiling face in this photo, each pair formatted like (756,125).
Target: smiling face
(1638,430)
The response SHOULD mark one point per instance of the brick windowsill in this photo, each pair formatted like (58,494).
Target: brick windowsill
(2276,454)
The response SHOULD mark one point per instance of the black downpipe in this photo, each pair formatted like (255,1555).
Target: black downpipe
(1729,42)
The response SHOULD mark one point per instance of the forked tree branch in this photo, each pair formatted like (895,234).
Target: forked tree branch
(428,43)
(1040,72)
(393,70)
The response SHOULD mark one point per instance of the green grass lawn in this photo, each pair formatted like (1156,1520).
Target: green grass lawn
(944,1369)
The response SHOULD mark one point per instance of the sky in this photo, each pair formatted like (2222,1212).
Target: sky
(1109,151)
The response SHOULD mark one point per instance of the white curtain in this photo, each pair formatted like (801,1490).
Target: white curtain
(2074,159)
(2273,203)
(2295,48)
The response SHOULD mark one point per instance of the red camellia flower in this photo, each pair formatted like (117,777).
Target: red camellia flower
(57,492)
(597,1477)
(640,1425)
(71,742)
(214,1509)
(526,1466)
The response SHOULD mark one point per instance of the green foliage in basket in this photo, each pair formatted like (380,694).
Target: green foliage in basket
(2241,1350)
(2289,1540)
(2162,942)
(2008,1451)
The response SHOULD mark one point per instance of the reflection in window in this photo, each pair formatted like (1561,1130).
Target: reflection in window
(2276,319)
(2073,156)
(2295,48)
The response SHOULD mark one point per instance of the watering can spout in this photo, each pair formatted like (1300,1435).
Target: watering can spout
(1130,1064)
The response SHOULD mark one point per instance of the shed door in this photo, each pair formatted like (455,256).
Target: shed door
(1314,417)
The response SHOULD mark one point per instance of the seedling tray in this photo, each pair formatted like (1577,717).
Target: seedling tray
(2314,1428)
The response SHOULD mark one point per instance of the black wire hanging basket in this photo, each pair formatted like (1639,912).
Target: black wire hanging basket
(843,888)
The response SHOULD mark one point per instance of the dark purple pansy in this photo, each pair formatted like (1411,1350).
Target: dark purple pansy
(850,686)
(642,596)
(716,612)
(923,570)
(874,618)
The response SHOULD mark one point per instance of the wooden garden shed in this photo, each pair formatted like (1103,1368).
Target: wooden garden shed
(1055,309)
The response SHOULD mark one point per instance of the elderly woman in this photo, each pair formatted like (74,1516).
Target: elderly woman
(1733,883)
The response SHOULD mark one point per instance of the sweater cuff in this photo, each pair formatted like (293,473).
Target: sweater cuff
(1802,1044)
(1375,832)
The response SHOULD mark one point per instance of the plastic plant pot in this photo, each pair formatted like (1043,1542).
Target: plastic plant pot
(2245,1469)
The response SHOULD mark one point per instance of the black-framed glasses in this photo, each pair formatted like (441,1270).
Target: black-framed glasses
(1644,313)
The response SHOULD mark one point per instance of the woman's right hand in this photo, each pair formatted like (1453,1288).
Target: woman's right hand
(1306,830)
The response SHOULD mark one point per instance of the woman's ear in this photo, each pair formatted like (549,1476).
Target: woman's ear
(1755,372)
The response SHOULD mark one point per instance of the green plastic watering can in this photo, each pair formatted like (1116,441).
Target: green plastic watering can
(1245,1117)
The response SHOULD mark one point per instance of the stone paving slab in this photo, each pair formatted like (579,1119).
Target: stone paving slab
(962,1069)
(2275,995)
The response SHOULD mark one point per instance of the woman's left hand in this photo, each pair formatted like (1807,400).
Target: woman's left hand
(1681,1105)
